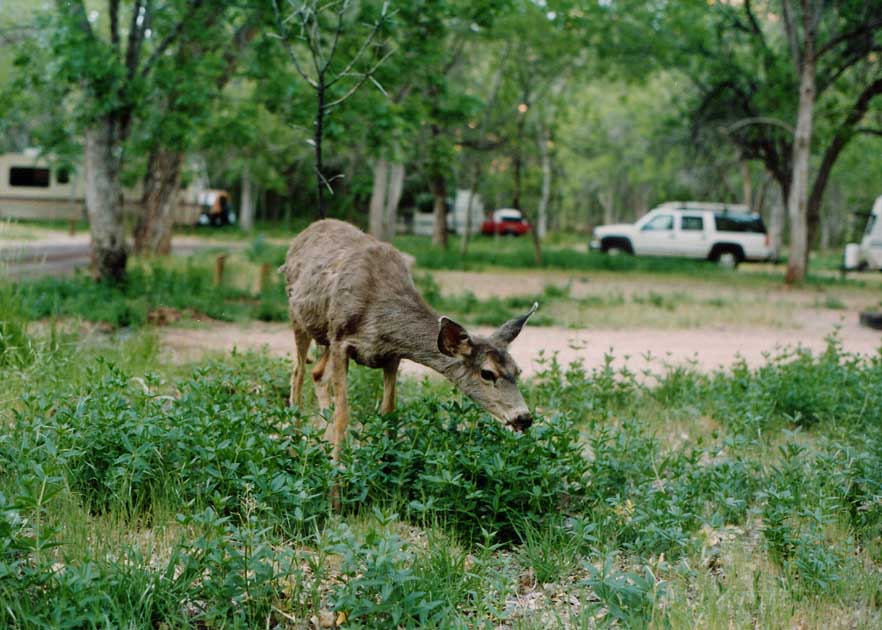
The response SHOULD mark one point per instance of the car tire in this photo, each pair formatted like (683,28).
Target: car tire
(727,260)
(727,256)
(871,320)
(616,246)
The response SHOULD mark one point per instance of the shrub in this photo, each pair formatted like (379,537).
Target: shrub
(451,462)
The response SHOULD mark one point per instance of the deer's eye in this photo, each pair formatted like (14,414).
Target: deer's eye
(487,375)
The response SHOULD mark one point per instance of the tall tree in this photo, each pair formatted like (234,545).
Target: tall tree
(323,29)
(209,60)
(108,60)
(764,70)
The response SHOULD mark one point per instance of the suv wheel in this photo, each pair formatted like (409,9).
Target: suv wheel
(616,246)
(727,256)
(727,260)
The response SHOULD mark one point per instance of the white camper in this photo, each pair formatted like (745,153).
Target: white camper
(31,189)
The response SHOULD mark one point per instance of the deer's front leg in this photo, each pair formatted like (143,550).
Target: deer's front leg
(339,368)
(390,374)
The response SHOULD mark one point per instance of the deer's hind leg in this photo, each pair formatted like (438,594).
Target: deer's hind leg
(390,374)
(301,340)
(321,378)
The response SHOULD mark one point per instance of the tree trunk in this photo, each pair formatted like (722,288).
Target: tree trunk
(377,207)
(542,210)
(439,211)
(777,220)
(393,198)
(159,203)
(246,202)
(746,184)
(473,190)
(104,202)
(317,140)
(607,201)
(797,203)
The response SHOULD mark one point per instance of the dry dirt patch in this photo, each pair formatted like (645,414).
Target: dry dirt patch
(706,348)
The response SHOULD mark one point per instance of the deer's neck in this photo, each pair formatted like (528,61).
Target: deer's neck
(417,339)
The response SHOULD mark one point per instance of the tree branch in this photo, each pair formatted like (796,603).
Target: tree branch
(114,24)
(283,37)
(136,37)
(866,28)
(869,131)
(195,5)
(76,9)
(364,77)
(367,42)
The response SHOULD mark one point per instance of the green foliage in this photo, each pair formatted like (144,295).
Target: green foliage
(448,460)
(380,588)
(16,346)
(189,289)
(105,449)
(630,597)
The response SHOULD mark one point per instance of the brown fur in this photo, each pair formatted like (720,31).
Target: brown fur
(354,295)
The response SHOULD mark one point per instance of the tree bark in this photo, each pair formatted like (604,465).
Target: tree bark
(393,198)
(153,230)
(777,219)
(542,210)
(317,140)
(473,190)
(797,203)
(377,207)
(746,184)
(439,211)
(246,203)
(104,201)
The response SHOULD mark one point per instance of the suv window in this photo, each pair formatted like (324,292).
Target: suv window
(739,223)
(870,225)
(692,223)
(659,223)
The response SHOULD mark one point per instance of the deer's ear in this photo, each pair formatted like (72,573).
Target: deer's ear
(512,328)
(453,340)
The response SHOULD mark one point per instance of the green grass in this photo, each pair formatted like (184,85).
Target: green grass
(137,493)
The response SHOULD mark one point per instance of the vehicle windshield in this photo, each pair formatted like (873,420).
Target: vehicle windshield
(870,223)
(739,223)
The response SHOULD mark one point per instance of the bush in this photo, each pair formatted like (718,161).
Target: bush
(450,462)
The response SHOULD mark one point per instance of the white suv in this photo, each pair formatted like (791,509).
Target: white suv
(727,234)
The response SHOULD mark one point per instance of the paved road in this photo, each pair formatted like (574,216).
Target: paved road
(62,257)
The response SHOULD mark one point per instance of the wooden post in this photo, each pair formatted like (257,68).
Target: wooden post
(263,280)
(72,227)
(219,269)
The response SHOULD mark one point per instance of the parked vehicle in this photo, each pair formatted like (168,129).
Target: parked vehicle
(30,188)
(867,254)
(215,208)
(506,222)
(727,234)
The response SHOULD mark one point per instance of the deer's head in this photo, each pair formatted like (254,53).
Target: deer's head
(484,370)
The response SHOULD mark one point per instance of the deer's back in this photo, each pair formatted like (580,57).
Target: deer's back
(342,282)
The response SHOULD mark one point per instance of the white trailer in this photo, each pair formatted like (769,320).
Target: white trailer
(30,188)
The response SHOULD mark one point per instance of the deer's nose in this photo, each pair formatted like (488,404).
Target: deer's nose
(522,422)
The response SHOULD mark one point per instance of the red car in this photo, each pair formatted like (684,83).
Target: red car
(506,222)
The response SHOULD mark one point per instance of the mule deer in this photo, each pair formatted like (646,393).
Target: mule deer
(354,295)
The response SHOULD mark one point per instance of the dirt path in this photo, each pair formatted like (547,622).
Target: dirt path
(708,347)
